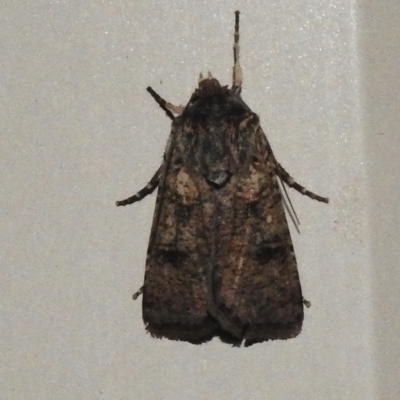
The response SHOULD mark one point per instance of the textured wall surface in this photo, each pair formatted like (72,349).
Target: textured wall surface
(79,131)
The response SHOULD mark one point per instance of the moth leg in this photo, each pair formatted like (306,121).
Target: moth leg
(306,303)
(167,107)
(289,207)
(138,293)
(237,70)
(175,109)
(293,184)
(148,189)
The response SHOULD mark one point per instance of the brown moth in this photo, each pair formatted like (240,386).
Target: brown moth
(220,260)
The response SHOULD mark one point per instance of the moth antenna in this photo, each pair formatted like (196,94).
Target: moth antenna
(201,77)
(237,70)
(209,75)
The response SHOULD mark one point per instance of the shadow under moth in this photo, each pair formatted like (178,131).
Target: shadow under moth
(220,260)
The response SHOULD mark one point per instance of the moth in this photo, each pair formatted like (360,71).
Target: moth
(220,260)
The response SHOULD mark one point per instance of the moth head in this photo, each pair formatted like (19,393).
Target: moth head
(209,86)
(209,83)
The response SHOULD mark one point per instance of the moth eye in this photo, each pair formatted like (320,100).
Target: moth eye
(255,159)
